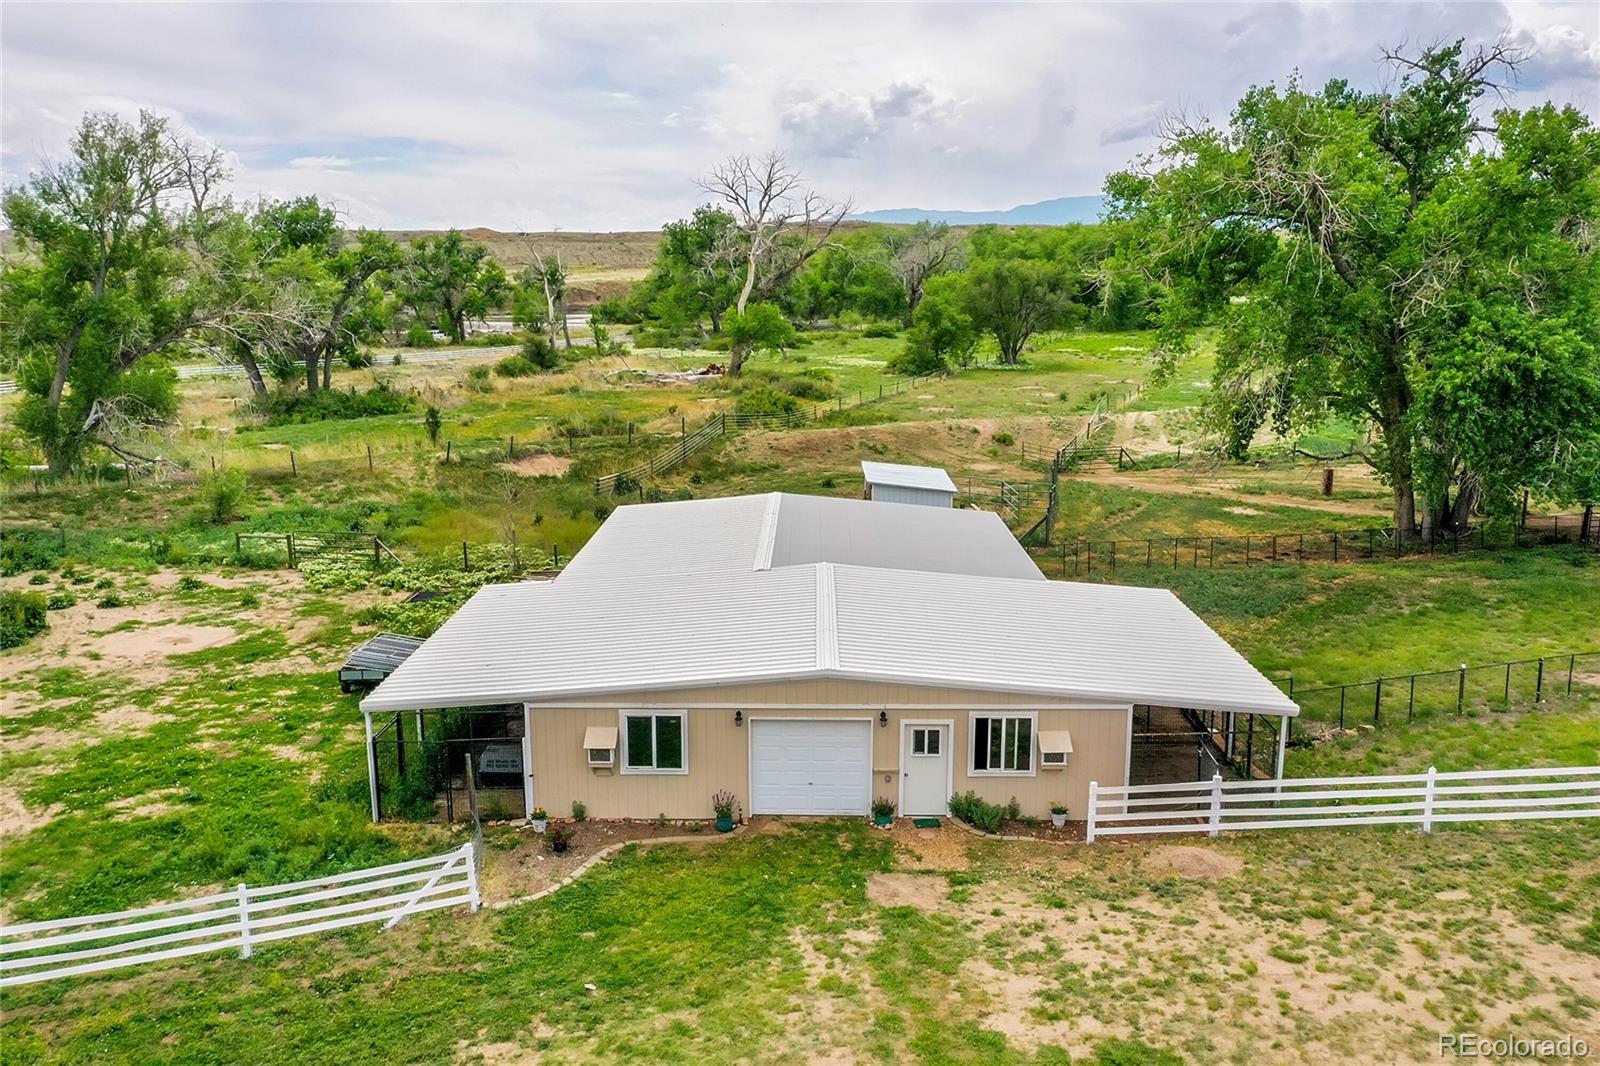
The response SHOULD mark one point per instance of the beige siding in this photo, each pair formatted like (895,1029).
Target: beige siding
(718,750)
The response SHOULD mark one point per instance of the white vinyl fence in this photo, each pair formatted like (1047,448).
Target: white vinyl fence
(240,919)
(1424,800)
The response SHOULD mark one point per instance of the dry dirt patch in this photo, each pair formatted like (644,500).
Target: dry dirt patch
(152,804)
(1202,863)
(540,464)
(944,848)
(925,892)
(159,641)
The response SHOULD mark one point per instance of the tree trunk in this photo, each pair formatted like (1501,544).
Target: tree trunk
(1466,502)
(310,360)
(327,366)
(566,336)
(749,282)
(252,371)
(736,356)
(716,320)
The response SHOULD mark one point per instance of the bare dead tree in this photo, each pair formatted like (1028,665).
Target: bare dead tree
(782,223)
(918,253)
(551,274)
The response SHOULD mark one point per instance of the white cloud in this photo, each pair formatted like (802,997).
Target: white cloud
(601,116)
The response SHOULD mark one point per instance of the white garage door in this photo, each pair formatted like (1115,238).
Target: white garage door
(813,766)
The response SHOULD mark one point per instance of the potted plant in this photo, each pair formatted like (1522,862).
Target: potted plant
(540,820)
(882,811)
(1058,815)
(723,803)
(560,836)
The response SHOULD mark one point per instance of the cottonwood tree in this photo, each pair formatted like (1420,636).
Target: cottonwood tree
(781,223)
(697,270)
(918,253)
(447,279)
(1012,299)
(109,280)
(307,297)
(1397,258)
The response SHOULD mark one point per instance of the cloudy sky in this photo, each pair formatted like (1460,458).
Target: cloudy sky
(599,117)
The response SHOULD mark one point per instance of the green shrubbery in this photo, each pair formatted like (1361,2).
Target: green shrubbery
(286,409)
(22,614)
(763,400)
(22,550)
(515,366)
(976,811)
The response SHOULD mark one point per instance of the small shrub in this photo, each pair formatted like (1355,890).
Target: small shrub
(39,579)
(1003,438)
(221,493)
(60,601)
(881,329)
(828,483)
(478,379)
(22,614)
(103,584)
(540,353)
(624,485)
(976,811)
(324,405)
(580,810)
(356,359)
(515,366)
(109,600)
(766,401)
(190,583)
(420,336)
(432,423)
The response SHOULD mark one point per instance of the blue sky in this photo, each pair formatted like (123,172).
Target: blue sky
(599,117)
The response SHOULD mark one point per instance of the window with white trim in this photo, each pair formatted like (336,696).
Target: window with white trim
(653,742)
(1002,744)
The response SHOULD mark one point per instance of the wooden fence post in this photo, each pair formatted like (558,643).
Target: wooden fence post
(464,565)
(293,469)
(369,458)
(1216,803)
(447,450)
(1461,689)
(1427,801)
(1094,803)
(244,921)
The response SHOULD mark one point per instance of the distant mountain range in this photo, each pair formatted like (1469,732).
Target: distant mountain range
(1057,212)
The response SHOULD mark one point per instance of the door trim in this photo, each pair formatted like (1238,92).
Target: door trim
(904,760)
(750,758)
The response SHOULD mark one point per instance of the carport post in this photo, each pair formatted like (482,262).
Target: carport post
(372,765)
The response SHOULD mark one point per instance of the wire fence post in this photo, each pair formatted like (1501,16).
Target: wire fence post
(1538,683)
(1461,689)
(1377,700)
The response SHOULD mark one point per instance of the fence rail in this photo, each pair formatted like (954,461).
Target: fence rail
(1425,800)
(1503,684)
(236,920)
(1080,555)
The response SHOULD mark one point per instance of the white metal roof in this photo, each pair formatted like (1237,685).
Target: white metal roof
(605,636)
(907,477)
(783,529)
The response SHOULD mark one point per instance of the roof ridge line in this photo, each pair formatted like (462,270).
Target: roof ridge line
(827,619)
(769,532)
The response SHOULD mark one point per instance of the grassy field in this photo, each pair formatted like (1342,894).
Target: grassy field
(178,728)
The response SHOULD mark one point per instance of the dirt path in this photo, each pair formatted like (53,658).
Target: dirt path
(1165,481)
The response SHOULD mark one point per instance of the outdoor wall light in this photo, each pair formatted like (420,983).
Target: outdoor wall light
(883,718)
(738,718)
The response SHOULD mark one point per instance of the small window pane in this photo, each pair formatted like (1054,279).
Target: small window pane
(997,744)
(641,749)
(1022,757)
(669,742)
(980,744)
(933,741)
(919,742)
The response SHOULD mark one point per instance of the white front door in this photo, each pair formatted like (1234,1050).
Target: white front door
(810,766)
(924,770)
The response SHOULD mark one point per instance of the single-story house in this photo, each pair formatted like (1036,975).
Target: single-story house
(810,654)
(899,483)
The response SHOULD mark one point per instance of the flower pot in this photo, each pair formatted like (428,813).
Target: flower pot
(558,846)
(724,823)
(1058,820)
(882,820)
(540,824)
